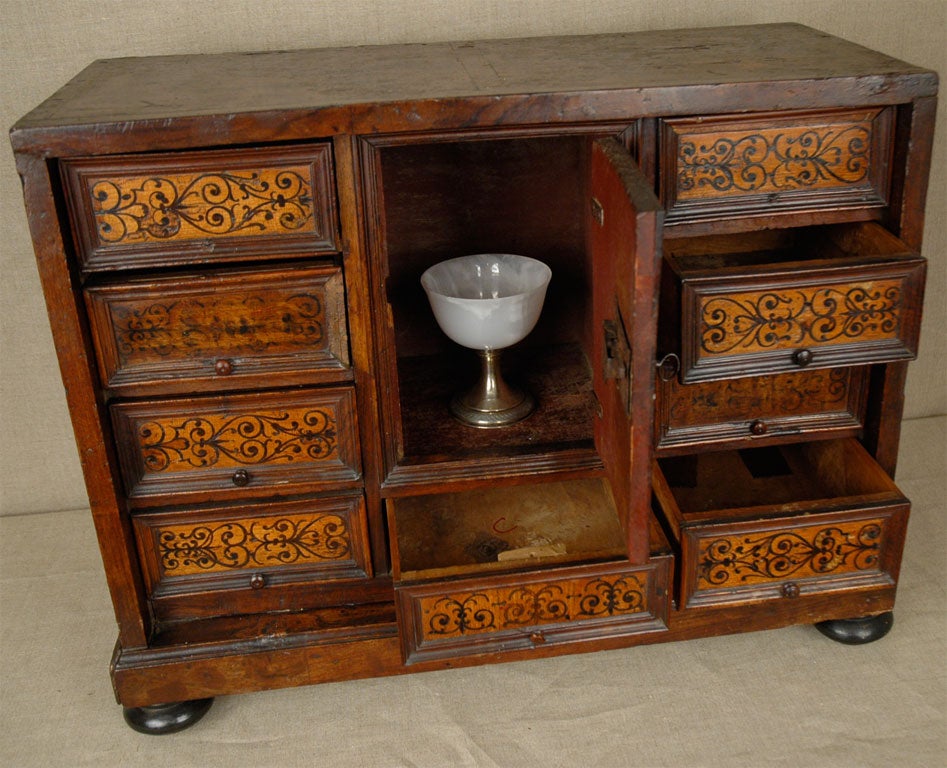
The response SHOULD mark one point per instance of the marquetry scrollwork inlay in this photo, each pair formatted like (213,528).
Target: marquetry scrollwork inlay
(227,323)
(186,206)
(174,444)
(817,550)
(774,160)
(222,546)
(495,609)
(812,391)
(754,321)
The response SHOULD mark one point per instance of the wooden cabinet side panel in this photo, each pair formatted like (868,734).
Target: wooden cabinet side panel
(90,422)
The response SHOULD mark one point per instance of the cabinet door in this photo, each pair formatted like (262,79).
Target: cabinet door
(624,234)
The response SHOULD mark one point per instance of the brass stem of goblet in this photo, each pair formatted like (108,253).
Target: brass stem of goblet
(492,402)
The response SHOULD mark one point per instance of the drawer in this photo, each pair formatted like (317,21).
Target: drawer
(517,567)
(197,207)
(241,555)
(778,407)
(777,301)
(780,522)
(238,446)
(221,330)
(721,166)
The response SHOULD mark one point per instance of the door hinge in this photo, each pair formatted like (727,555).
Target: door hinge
(598,212)
(618,359)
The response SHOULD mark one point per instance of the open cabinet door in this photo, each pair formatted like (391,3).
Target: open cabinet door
(624,240)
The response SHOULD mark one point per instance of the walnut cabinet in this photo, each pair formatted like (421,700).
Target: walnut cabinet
(230,248)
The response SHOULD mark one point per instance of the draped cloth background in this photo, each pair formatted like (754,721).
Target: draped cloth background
(44,43)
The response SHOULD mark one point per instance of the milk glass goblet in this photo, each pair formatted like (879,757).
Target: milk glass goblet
(488,302)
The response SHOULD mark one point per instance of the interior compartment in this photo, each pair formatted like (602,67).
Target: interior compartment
(756,482)
(521,195)
(861,241)
(504,528)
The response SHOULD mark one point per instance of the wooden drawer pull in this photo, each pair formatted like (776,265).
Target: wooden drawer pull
(537,638)
(223,367)
(758,428)
(241,478)
(790,589)
(257,581)
(802,357)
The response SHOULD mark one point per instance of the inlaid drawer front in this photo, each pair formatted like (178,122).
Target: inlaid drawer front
(784,406)
(221,331)
(853,297)
(780,523)
(525,610)
(718,166)
(202,206)
(253,547)
(238,445)
(738,559)
(784,559)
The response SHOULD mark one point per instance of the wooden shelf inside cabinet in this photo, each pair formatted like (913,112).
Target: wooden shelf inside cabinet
(557,437)
(505,528)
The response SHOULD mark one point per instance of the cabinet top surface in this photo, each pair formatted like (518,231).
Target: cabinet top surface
(658,71)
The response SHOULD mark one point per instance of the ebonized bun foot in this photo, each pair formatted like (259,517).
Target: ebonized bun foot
(866,629)
(166,718)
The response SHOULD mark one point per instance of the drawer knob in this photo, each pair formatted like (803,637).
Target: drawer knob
(257,581)
(241,478)
(790,589)
(802,357)
(758,428)
(223,367)
(537,638)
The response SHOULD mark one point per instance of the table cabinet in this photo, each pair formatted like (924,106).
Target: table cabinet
(231,256)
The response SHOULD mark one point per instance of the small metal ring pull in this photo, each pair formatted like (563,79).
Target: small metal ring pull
(668,367)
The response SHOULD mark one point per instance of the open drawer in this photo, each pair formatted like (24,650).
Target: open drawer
(781,521)
(782,300)
(508,568)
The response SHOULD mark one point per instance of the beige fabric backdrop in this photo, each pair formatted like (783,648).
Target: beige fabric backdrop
(43,43)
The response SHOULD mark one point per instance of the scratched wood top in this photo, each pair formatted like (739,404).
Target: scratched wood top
(650,66)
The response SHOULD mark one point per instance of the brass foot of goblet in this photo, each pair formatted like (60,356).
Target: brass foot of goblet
(491,402)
